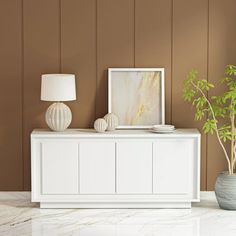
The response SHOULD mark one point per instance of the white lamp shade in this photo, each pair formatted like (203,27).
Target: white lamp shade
(58,87)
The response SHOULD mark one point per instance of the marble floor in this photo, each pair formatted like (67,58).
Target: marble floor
(21,217)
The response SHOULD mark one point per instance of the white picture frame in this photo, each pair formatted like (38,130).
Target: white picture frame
(114,90)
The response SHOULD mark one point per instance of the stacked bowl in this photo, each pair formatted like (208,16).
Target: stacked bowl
(163,128)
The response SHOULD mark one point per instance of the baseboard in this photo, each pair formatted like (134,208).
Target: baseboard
(13,195)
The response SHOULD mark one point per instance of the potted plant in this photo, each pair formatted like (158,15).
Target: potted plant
(220,111)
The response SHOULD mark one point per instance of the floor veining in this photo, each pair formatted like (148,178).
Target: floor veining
(20,217)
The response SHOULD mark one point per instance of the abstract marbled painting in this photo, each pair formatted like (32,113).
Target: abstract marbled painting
(136,97)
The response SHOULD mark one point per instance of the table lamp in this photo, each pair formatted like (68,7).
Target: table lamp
(58,88)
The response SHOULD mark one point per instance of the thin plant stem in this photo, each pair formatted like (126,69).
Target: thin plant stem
(232,141)
(234,162)
(216,127)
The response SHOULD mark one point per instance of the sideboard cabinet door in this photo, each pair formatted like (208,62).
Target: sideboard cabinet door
(97,167)
(134,167)
(172,166)
(59,163)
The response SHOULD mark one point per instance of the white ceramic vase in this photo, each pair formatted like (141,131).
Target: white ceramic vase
(100,125)
(112,121)
(58,116)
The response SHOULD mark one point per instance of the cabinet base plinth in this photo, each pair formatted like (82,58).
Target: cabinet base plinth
(118,205)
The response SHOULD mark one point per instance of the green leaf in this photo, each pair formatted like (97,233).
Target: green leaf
(224,127)
(199,114)
(225,132)
(199,102)
(226,79)
(188,94)
(219,100)
(230,70)
(209,126)
(219,111)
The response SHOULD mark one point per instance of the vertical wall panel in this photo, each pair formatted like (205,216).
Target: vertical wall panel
(190,25)
(11,163)
(41,55)
(78,38)
(115,43)
(222,51)
(153,40)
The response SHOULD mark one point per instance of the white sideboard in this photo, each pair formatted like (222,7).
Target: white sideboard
(119,169)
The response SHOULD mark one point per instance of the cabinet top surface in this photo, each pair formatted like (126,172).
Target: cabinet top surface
(87,133)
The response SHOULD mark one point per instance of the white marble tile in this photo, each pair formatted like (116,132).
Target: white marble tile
(19,217)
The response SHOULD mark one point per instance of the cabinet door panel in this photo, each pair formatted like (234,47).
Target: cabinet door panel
(97,167)
(134,167)
(172,163)
(59,167)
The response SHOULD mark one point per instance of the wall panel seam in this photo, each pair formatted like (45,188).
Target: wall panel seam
(134,32)
(171,58)
(60,36)
(22,93)
(208,42)
(96,57)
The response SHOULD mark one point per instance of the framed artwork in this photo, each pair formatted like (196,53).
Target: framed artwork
(136,96)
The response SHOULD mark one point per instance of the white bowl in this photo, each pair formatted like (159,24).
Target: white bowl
(163,127)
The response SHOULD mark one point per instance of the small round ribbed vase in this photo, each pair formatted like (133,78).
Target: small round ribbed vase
(112,121)
(100,125)
(225,190)
(58,116)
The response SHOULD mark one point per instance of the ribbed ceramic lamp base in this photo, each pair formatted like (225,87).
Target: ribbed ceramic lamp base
(58,116)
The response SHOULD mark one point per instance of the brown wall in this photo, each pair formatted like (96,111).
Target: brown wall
(86,37)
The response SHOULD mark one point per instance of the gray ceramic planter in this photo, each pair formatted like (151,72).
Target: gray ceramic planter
(225,190)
